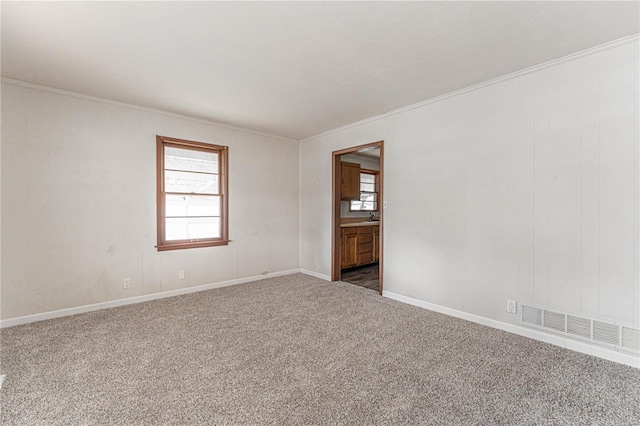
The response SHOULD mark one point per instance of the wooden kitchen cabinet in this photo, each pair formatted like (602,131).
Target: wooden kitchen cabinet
(376,243)
(350,188)
(365,245)
(360,245)
(349,247)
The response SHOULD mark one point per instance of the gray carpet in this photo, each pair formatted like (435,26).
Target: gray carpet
(298,350)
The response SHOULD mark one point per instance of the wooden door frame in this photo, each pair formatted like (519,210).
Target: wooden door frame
(336,235)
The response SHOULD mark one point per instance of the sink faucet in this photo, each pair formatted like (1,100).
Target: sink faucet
(372,215)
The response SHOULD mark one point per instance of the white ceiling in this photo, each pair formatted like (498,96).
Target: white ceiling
(292,68)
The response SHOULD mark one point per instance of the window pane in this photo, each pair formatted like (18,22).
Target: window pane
(192,228)
(364,205)
(369,187)
(190,182)
(190,160)
(369,205)
(368,196)
(192,205)
(367,178)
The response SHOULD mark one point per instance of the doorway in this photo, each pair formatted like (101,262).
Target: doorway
(345,240)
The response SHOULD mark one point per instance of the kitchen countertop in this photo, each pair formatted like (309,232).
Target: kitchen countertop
(365,223)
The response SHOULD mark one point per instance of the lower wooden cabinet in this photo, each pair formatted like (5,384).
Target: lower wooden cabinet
(376,243)
(360,245)
(349,247)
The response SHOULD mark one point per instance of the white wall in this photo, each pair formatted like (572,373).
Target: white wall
(523,189)
(79,198)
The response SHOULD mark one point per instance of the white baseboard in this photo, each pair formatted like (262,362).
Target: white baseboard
(574,345)
(136,299)
(315,274)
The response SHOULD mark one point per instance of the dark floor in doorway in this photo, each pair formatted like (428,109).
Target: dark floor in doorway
(364,277)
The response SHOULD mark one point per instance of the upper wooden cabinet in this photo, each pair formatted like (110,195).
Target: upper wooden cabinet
(350,181)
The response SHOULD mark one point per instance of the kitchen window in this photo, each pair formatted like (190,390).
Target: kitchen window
(192,198)
(368,201)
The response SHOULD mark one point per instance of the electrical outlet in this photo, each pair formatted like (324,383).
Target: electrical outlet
(127,282)
(512,306)
(181,274)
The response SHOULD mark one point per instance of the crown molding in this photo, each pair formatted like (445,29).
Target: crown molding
(63,92)
(580,54)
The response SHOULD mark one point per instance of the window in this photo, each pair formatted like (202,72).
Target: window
(368,192)
(192,194)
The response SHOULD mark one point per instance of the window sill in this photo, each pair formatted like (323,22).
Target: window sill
(194,244)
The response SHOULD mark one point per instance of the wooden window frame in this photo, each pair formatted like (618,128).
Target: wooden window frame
(223,178)
(376,173)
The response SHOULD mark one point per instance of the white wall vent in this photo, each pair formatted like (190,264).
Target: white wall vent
(631,339)
(606,333)
(554,320)
(583,328)
(532,315)
(578,326)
